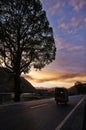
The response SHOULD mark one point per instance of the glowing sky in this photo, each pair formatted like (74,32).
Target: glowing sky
(68,20)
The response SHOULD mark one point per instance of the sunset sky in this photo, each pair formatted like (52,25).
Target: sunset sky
(68,20)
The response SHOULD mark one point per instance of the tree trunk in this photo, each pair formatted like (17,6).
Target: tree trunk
(17,89)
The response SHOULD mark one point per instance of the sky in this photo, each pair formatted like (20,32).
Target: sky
(68,20)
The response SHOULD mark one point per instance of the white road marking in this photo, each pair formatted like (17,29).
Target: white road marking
(39,105)
(67,117)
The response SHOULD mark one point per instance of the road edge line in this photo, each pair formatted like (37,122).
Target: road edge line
(66,118)
(36,106)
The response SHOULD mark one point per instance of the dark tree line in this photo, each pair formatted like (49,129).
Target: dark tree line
(81,87)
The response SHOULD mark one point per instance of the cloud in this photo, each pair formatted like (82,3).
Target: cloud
(54,8)
(85,19)
(69,66)
(27,76)
(72,24)
(63,26)
(77,4)
(70,55)
(64,44)
(69,24)
(56,77)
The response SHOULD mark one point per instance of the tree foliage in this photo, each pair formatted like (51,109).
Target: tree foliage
(26,38)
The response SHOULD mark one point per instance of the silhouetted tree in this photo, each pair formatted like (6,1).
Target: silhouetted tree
(26,38)
(78,83)
(81,87)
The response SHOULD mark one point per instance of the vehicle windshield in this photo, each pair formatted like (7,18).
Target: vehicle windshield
(61,92)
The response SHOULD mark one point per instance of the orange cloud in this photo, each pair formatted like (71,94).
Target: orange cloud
(52,77)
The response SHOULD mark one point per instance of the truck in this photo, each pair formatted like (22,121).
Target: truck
(61,95)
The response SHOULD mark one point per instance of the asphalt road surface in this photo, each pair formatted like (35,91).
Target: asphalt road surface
(37,115)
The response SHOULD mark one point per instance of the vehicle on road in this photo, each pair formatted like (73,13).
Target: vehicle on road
(61,95)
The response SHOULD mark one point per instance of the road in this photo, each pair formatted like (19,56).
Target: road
(36,115)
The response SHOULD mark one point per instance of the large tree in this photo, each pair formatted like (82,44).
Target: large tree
(26,38)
